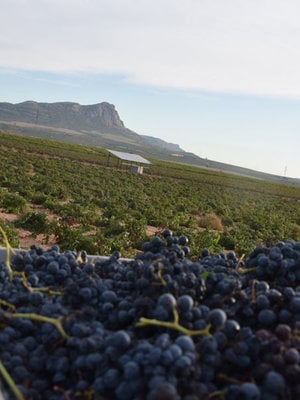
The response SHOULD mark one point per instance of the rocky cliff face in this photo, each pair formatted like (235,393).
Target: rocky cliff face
(92,122)
(67,115)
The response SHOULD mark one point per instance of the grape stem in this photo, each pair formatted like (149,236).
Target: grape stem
(10,382)
(9,250)
(253,290)
(10,306)
(217,393)
(245,271)
(47,290)
(241,270)
(240,261)
(88,394)
(36,317)
(174,325)
(159,274)
(226,378)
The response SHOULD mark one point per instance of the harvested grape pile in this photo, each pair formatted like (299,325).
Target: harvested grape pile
(159,327)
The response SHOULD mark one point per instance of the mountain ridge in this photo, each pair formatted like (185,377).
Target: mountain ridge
(101,118)
(100,125)
(63,114)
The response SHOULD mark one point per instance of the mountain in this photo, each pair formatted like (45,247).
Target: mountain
(100,125)
(97,124)
(63,115)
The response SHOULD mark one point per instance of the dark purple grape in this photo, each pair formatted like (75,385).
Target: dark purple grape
(291,356)
(183,240)
(166,233)
(274,383)
(185,303)
(253,338)
(231,328)
(163,391)
(266,318)
(217,318)
(167,300)
(185,343)
(283,332)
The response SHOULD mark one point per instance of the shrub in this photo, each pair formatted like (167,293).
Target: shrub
(210,221)
(39,198)
(34,222)
(70,238)
(209,240)
(240,238)
(13,203)
(294,231)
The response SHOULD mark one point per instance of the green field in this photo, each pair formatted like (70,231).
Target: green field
(49,184)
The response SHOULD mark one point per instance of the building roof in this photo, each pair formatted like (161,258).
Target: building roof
(129,157)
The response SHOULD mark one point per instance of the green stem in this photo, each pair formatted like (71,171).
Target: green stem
(46,290)
(10,306)
(38,289)
(10,382)
(159,274)
(217,393)
(176,316)
(245,271)
(7,255)
(174,325)
(35,317)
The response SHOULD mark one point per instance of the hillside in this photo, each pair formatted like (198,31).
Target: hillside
(68,194)
(100,125)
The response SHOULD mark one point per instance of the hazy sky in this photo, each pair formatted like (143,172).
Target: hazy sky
(219,77)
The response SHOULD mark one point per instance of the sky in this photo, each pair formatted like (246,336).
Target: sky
(221,78)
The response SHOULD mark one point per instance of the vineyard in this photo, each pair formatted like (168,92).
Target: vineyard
(169,314)
(69,195)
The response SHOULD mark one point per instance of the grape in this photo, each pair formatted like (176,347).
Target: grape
(111,378)
(217,318)
(163,391)
(185,343)
(167,233)
(160,326)
(262,302)
(183,240)
(185,303)
(231,328)
(246,391)
(131,370)
(291,356)
(266,318)
(121,340)
(274,383)
(205,253)
(167,300)
(283,332)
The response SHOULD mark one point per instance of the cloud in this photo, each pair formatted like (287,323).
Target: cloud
(233,46)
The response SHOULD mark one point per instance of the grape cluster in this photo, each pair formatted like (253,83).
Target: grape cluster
(161,326)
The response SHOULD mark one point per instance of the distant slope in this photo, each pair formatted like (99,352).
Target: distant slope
(100,125)
(83,121)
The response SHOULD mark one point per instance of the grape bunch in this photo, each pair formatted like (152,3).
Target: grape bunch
(161,326)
